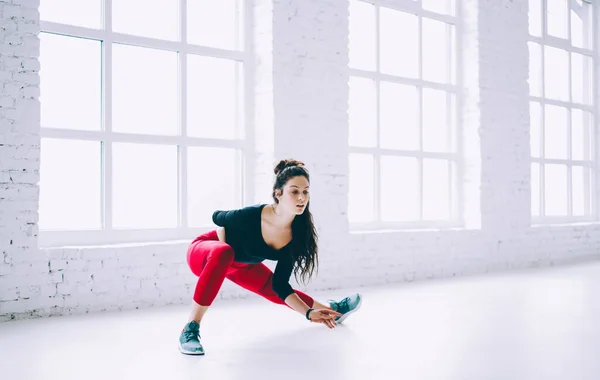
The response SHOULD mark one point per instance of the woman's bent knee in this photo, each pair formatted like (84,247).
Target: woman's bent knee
(223,255)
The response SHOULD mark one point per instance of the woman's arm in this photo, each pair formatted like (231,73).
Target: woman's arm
(221,234)
(296,303)
(284,290)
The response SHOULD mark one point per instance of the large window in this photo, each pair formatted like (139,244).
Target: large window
(143,117)
(562,110)
(403,133)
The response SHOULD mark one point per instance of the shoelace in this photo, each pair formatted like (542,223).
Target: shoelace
(342,305)
(191,335)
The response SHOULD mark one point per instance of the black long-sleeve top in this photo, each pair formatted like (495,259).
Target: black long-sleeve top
(243,233)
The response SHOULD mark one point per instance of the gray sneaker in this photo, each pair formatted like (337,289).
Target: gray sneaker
(346,306)
(189,340)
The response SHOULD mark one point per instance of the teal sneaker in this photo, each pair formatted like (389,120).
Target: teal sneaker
(189,340)
(346,306)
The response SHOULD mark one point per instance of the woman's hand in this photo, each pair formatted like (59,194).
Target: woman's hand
(324,316)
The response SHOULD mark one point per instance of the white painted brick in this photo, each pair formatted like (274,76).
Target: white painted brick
(76,277)
(48,291)
(10,280)
(27,27)
(83,289)
(58,265)
(32,291)
(100,253)
(7,101)
(5,268)
(65,289)
(39,267)
(134,285)
(110,264)
(104,276)
(32,4)
(30,92)
(76,265)
(9,294)
(99,288)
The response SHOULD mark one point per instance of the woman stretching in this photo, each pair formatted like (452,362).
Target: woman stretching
(282,231)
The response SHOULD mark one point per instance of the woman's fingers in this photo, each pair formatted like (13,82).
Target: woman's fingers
(326,321)
(332,312)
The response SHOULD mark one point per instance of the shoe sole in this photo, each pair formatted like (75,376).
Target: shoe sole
(343,317)
(188,352)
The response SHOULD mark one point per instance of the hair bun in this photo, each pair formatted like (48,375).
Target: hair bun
(286,164)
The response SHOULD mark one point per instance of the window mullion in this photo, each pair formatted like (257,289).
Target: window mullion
(107,162)
(593,198)
(377,156)
(182,149)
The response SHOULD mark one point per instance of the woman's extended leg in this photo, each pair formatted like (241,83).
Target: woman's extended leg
(258,278)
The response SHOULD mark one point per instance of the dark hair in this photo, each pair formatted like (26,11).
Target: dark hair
(304,235)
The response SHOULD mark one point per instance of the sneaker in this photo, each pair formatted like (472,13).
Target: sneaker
(189,340)
(346,306)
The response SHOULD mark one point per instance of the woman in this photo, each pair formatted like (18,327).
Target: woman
(282,231)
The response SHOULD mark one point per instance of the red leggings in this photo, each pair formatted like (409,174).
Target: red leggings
(212,261)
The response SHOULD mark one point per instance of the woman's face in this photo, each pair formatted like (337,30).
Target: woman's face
(295,195)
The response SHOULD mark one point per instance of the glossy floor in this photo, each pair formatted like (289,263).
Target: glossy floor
(536,324)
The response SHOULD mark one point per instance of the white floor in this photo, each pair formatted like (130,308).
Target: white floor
(542,324)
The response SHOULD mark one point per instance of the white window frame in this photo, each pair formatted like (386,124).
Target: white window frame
(591,201)
(456,219)
(244,145)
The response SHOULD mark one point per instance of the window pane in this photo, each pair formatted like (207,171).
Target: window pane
(556,73)
(557,12)
(535,124)
(222,166)
(399,44)
(454,200)
(447,7)
(217,24)
(556,132)
(581,25)
(535,17)
(535,69)
(535,189)
(581,135)
(73,12)
(400,189)
(70,84)
(144,80)
(362,112)
(362,35)
(360,195)
(144,186)
(436,190)
(435,121)
(436,51)
(215,97)
(579,184)
(70,185)
(452,128)
(152,19)
(399,116)
(581,78)
(555,190)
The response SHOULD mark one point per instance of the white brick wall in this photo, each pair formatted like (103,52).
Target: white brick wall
(299,110)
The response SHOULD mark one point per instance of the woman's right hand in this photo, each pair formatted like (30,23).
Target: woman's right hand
(324,316)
